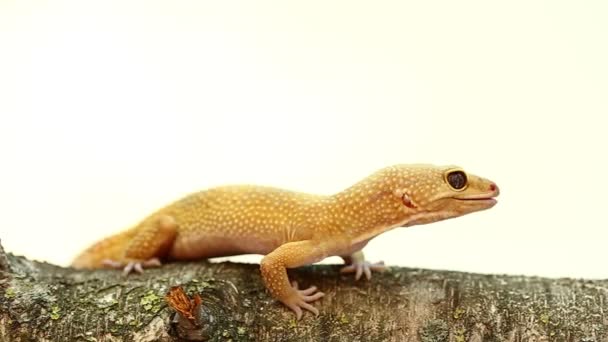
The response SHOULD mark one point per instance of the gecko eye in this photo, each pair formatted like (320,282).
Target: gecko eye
(457,180)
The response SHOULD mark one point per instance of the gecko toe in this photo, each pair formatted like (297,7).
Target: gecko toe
(310,308)
(111,263)
(359,271)
(308,291)
(301,299)
(378,266)
(348,269)
(314,297)
(361,268)
(128,269)
(154,262)
(296,309)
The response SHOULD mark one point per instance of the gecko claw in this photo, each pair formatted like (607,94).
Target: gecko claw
(302,300)
(363,267)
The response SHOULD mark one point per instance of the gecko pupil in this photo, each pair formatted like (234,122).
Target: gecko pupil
(457,179)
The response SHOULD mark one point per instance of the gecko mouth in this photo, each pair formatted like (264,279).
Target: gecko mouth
(476,198)
(488,199)
(480,199)
(478,203)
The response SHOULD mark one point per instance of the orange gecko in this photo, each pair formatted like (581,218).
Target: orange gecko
(293,229)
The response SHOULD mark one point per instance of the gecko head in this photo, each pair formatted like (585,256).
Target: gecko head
(433,193)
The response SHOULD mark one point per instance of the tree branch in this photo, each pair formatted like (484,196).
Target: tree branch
(39,301)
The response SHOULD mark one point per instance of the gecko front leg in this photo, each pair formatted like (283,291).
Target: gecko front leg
(274,273)
(358,265)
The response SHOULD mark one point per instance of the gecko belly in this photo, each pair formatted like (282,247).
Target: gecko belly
(201,246)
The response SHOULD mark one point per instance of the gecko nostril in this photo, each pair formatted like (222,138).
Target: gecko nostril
(493,187)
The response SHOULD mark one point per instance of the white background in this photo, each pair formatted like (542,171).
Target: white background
(111,109)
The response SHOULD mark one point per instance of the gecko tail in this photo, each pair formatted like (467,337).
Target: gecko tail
(111,248)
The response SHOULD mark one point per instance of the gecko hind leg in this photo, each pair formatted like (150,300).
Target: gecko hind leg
(152,242)
(358,265)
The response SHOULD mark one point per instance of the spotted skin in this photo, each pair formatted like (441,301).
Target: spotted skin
(293,229)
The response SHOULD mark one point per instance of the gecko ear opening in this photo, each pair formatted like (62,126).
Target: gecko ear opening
(407,201)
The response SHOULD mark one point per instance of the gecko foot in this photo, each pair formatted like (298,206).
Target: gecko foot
(302,299)
(132,266)
(363,267)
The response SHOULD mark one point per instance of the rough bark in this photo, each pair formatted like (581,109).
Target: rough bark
(39,301)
